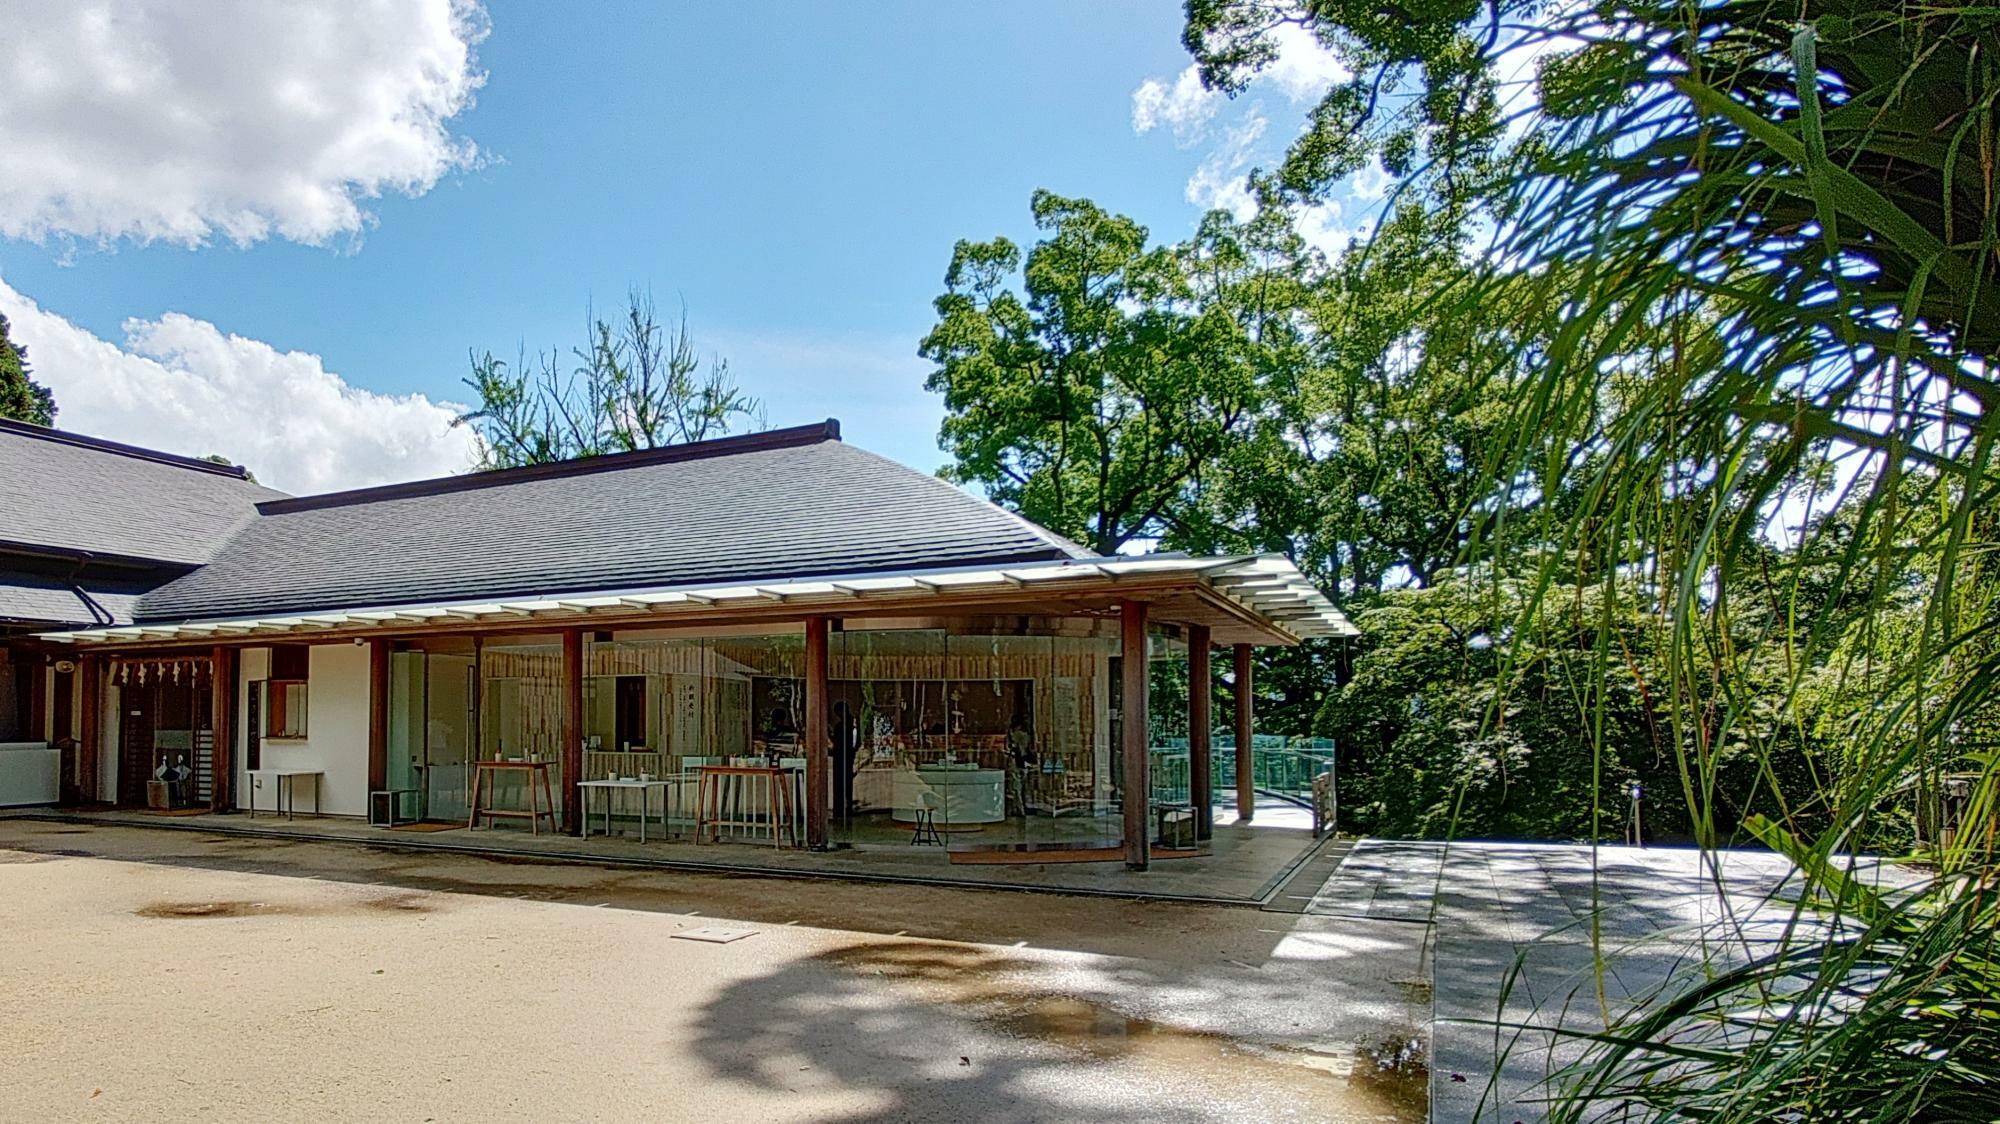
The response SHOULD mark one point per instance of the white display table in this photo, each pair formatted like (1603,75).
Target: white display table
(958,795)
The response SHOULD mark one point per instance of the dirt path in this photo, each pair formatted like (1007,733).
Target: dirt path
(150,974)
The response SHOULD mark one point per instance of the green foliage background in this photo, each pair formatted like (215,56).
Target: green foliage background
(21,397)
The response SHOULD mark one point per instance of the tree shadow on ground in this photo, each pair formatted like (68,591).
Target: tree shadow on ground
(954,1032)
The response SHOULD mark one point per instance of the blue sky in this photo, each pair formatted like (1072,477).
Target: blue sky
(795,173)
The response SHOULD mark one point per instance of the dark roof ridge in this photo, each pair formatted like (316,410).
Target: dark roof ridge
(104,445)
(790,437)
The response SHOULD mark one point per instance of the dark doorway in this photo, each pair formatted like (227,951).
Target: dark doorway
(165,733)
(629,712)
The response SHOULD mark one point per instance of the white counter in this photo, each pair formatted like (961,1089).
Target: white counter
(28,773)
(957,795)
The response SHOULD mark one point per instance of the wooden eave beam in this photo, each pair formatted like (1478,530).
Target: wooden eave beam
(1086,595)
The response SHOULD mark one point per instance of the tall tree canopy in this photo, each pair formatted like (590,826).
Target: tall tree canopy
(1096,396)
(21,398)
(635,384)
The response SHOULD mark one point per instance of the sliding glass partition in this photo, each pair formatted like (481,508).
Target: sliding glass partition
(979,734)
(662,705)
(433,723)
(965,734)
(993,732)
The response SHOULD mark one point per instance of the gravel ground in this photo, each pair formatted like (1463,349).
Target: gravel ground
(152,974)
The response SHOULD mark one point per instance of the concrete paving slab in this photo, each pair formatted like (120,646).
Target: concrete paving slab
(1527,939)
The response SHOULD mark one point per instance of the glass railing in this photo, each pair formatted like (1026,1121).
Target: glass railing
(1280,766)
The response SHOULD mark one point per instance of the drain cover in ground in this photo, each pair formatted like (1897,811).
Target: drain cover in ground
(714,935)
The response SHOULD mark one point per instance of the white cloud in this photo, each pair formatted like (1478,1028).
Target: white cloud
(183,385)
(1302,72)
(1185,107)
(1372,182)
(1222,180)
(238,119)
(1322,228)
(1303,69)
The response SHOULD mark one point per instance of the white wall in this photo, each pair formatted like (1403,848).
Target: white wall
(336,741)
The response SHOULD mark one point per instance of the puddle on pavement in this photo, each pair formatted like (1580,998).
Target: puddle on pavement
(1386,1082)
(400,903)
(1074,1022)
(209,909)
(404,903)
(1399,1071)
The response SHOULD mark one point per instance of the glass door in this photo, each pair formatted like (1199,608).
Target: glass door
(406,733)
(450,702)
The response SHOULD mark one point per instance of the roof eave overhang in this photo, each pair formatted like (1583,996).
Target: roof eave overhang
(1256,599)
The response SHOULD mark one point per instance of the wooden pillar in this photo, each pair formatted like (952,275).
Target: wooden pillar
(62,733)
(222,718)
(378,718)
(572,727)
(1201,731)
(1138,793)
(90,731)
(37,701)
(1246,720)
(818,745)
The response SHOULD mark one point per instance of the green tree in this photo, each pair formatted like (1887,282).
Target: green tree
(21,398)
(1097,397)
(636,384)
(1768,236)
(218,458)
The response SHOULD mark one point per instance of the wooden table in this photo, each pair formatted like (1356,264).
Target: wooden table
(538,787)
(719,801)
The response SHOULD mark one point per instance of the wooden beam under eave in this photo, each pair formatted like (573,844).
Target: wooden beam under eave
(222,719)
(378,719)
(818,744)
(1246,721)
(1136,721)
(1201,730)
(1175,598)
(572,725)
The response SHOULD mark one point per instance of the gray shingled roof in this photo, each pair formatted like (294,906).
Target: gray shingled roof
(780,504)
(64,492)
(45,600)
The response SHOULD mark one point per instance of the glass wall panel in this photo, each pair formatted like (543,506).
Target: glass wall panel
(432,720)
(1170,816)
(994,732)
(406,732)
(998,733)
(520,707)
(666,705)
(889,715)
